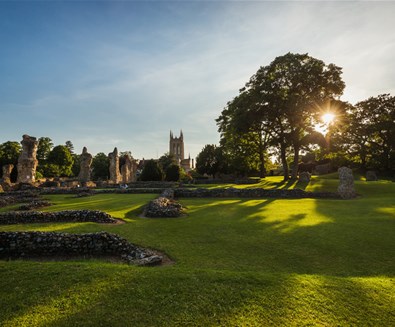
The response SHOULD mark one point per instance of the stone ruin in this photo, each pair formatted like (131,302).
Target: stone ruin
(5,181)
(52,244)
(115,176)
(85,166)
(164,206)
(371,176)
(346,183)
(128,169)
(7,169)
(27,161)
(304,176)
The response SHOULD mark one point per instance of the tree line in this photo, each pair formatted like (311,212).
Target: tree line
(278,112)
(61,161)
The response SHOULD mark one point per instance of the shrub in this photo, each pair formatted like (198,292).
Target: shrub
(173,173)
(151,171)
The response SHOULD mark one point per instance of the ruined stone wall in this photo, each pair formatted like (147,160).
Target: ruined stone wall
(85,166)
(36,244)
(27,161)
(251,193)
(31,217)
(115,176)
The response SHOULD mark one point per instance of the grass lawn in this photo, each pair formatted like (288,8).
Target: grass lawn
(239,262)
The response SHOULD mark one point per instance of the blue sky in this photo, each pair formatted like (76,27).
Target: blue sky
(125,73)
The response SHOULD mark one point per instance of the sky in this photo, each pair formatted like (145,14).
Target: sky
(123,74)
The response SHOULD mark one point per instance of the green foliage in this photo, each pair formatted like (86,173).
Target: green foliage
(9,153)
(240,154)
(75,169)
(70,146)
(100,166)
(61,157)
(50,170)
(166,161)
(45,146)
(281,104)
(367,133)
(39,175)
(208,161)
(151,171)
(172,173)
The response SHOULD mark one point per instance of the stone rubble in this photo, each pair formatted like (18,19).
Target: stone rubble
(30,217)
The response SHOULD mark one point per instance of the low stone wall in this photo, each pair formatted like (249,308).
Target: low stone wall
(49,244)
(17,197)
(35,204)
(252,193)
(50,191)
(31,217)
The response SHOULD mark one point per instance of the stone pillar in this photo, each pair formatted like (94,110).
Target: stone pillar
(346,183)
(85,166)
(371,176)
(126,169)
(115,176)
(27,161)
(7,169)
(304,177)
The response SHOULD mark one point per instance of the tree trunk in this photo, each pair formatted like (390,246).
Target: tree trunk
(283,149)
(296,163)
(261,165)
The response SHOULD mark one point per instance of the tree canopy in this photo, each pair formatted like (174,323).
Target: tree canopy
(281,103)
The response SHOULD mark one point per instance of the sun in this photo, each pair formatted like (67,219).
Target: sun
(328,118)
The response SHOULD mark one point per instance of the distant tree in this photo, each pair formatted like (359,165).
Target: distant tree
(9,153)
(61,157)
(239,154)
(208,161)
(366,135)
(45,146)
(173,173)
(100,166)
(167,160)
(70,146)
(75,169)
(50,170)
(151,171)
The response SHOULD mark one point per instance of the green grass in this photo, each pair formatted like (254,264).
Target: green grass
(239,262)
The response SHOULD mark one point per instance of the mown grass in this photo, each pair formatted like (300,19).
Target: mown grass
(239,262)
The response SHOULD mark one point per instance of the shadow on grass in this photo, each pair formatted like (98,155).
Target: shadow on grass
(104,295)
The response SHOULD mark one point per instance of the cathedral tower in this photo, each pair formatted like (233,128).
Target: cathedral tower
(176,146)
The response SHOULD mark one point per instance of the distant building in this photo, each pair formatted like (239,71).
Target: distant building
(176,148)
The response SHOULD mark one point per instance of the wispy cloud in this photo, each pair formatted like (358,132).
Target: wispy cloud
(133,87)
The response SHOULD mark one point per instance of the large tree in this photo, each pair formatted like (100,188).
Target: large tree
(286,98)
(367,133)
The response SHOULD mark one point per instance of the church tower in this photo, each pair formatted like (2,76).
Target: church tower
(176,146)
